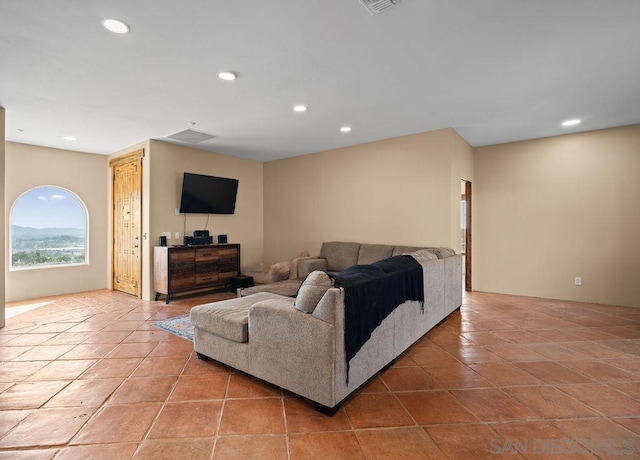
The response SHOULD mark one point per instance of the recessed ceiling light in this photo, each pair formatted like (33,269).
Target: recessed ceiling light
(69,138)
(300,108)
(345,129)
(227,75)
(571,122)
(116,26)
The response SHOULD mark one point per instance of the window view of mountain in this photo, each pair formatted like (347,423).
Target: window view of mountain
(49,227)
(46,246)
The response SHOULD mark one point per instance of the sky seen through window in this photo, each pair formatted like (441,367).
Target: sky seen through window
(48,207)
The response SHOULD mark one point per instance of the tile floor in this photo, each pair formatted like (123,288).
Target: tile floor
(89,376)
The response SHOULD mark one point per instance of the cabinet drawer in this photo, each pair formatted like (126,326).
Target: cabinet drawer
(227,260)
(228,252)
(182,257)
(207,255)
(206,278)
(181,269)
(230,267)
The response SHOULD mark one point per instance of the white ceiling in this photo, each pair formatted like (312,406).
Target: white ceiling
(494,70)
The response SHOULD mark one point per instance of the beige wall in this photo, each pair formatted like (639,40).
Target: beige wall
(549,210)
(461,168)
(29,166)
(167,163)
(404,190)
(2,218)
(545,210)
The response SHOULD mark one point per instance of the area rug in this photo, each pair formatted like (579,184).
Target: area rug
(180,326)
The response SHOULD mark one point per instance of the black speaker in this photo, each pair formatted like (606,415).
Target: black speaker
(222,239)
(163,240)
(196,240)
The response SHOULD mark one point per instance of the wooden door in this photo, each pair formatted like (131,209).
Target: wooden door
(467,198)
(127,223)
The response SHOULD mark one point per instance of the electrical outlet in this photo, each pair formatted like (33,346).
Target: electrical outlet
(177,234)
(578,281)
(177,211)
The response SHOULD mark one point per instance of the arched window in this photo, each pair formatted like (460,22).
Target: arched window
(49,228)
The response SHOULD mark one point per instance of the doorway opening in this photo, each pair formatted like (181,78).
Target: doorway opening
(465,231)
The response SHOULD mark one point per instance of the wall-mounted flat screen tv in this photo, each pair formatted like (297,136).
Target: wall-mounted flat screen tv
(208,194)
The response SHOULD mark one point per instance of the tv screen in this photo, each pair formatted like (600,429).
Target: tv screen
(208,194)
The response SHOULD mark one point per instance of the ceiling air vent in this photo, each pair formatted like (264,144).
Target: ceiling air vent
(191,136)
(378,6)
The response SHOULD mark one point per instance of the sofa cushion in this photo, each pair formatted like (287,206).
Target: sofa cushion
(423,256)
(442,253)
(370,253)
(287,288)
(326,308)
(311,291)
(339,255)
(398,250)
(228,318)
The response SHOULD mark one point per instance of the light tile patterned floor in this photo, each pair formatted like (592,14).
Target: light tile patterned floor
(89,376)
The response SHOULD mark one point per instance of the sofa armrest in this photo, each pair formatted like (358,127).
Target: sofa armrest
(277,320)
(295,263)
(308,265)
(292,349)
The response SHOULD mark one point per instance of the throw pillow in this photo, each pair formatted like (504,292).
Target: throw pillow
(280,270)
(311,291)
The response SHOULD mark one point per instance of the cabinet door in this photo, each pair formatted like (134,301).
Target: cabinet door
(181,269)
(228,263)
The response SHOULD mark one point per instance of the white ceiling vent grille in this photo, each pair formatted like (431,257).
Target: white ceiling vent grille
(191,136)
(378,6)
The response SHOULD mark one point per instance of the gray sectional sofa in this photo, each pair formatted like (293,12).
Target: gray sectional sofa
(299,343)
(335,256)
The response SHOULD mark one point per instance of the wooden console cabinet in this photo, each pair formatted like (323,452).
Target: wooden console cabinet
(187,268)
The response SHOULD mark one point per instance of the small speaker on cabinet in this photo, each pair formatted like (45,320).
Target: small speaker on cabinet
(163,240)
(222,239)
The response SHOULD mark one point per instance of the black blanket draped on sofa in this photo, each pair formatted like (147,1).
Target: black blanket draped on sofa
(372,292)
